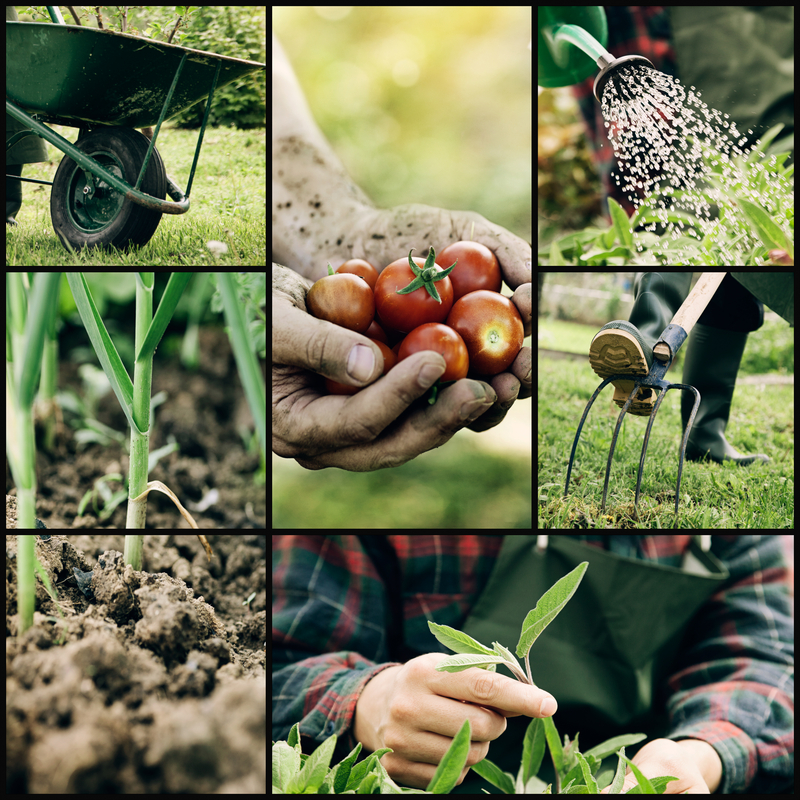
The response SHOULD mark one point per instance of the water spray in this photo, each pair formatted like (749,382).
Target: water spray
(572,42)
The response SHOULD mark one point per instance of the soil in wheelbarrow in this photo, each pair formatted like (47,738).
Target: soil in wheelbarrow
(211,473)
(152,681)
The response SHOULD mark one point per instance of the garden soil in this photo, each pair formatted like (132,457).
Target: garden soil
(204,413)
(142,682)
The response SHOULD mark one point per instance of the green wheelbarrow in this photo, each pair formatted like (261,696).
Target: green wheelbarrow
(111,185)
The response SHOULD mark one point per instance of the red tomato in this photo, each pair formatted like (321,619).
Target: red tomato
(389,360)
(477,268)
(345,300)
(491,328)
(404,312)
(365,270)
(443,340)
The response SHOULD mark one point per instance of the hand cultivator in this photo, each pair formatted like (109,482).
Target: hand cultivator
(665,350)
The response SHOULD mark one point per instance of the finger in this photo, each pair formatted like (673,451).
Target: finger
(497,691)
(300,340)
(423,428)
(522,299)
(338,422)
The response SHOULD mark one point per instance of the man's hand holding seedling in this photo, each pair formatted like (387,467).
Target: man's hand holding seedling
(416,711)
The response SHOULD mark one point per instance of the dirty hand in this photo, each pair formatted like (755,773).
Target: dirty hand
(416,711)
(361,432)
(695,763)
(383,235)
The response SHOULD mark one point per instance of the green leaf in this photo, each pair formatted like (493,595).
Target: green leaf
(613,745)
(103,346)
(591,783)
(449,770)
(532,749)
(548,608)
(461,662)
(615,787)
(493,774)
(645,787)
(457,641)
(166,308)
(310,778)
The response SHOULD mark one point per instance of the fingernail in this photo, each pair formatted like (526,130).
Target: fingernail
(548,707)
(429,374)
(361,363)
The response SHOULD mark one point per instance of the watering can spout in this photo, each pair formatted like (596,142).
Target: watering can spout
(572,46)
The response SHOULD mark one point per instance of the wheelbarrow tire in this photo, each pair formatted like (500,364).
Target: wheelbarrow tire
(108,217)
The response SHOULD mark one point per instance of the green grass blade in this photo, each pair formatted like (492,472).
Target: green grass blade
(166,308)
(26,583)
(103,346)
(44,296)
(249,371)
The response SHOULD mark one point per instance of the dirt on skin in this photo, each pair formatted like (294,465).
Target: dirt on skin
(153,683)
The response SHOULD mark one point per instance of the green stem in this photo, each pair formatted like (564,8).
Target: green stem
(142,379)
(133,550)
(26,582)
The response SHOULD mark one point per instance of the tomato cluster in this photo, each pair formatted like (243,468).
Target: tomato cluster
(418,304)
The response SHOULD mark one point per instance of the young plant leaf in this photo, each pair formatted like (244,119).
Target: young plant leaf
(493,774)
(548,608)
(461,662)
(103,346)
(457,641)
(532,750)
(613,745)
(449,770)
(615,787)
(591,783)
(511,662)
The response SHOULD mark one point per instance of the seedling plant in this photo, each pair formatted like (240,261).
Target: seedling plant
(293,772)
(30,314)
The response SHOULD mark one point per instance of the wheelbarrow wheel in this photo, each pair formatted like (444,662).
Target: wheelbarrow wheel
(103,217)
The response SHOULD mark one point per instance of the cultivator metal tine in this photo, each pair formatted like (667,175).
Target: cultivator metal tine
(644,449)
(583,419)
(614,441)
(684,441)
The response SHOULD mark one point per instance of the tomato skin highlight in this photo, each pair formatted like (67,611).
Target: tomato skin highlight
(443,340)
(343,299)
(404,312)
(491,328)
(365,270)
(477,268)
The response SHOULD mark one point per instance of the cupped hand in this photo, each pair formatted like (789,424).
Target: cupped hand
(372,429)
(384,235)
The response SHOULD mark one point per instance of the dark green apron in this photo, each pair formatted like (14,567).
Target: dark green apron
(606,657)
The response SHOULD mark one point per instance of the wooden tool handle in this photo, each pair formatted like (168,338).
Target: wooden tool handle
(693,306)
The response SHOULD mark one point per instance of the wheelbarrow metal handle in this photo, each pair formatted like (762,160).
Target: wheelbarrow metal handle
(689,312)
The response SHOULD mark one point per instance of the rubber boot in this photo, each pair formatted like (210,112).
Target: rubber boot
(712,362)
(626,347)
(13,193)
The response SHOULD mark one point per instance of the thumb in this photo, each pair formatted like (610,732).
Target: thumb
(300,340)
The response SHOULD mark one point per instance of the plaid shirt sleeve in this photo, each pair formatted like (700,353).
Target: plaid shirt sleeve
(734,687)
